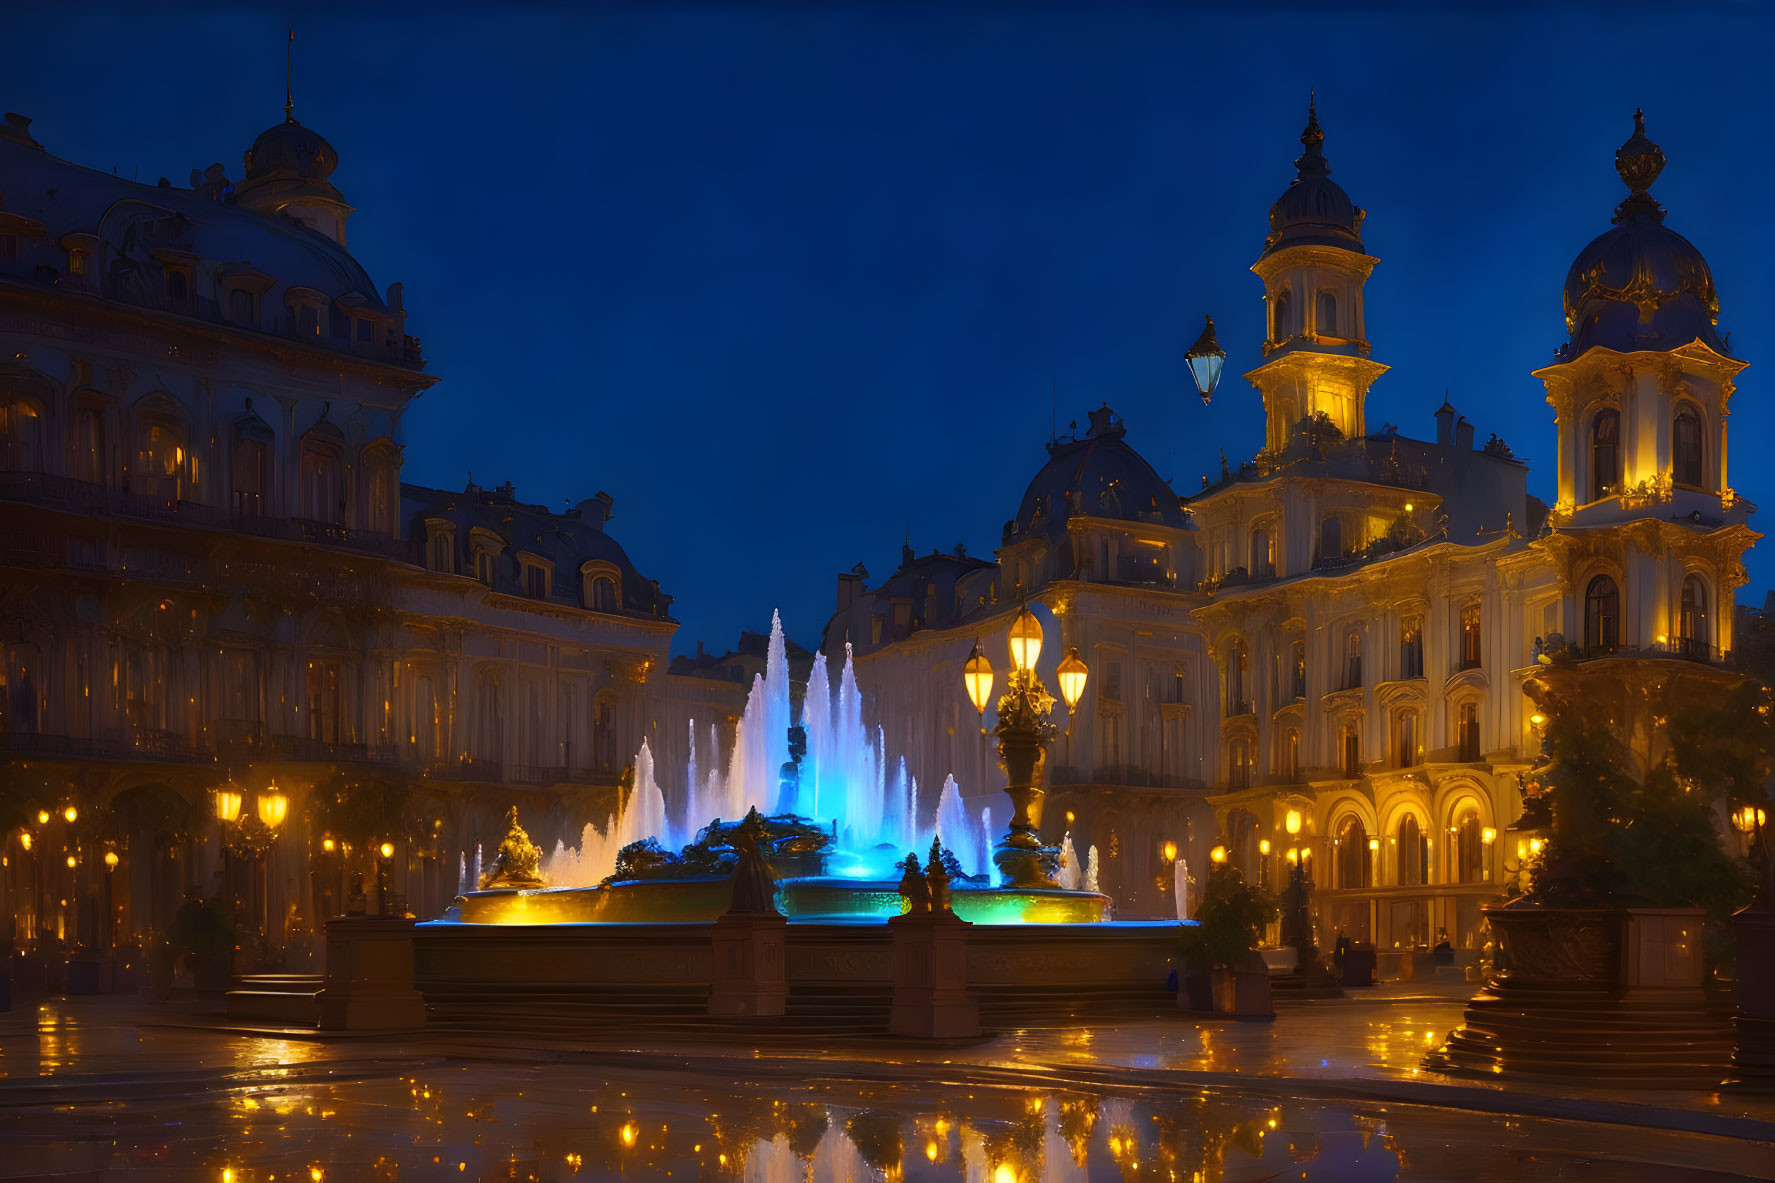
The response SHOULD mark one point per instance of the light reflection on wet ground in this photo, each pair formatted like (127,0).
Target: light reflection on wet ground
(100,1098)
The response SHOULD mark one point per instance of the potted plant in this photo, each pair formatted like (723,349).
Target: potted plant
(1224,940)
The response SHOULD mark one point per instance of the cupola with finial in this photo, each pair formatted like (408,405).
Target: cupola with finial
(287,171)
(1313,269)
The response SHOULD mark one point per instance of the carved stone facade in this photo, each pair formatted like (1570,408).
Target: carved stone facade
(1339,629)
(211,573)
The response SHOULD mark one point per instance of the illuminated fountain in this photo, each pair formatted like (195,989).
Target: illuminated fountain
(837,812)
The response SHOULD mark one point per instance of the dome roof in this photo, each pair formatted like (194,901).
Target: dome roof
(1640,285)
(291,150)
(1314,210)
(1098,476)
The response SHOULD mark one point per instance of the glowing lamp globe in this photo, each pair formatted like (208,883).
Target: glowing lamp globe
(227,805)
(1205,359)
(977,676)
(1291,823)
(1217,855)
(1026,640)
(386,850)
(1170,852)
(111,859)
(43,817)
(273,808)
(1263,846)
(70,814)
(1072,675)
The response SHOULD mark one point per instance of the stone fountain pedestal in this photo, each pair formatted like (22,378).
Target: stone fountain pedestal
(369,984)
(1592,994)
(750,967)
(931,999)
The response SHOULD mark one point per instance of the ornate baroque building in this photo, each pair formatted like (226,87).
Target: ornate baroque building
(211,573)
(1338,629)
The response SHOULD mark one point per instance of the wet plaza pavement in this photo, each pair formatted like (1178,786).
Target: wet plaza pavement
(100,1089)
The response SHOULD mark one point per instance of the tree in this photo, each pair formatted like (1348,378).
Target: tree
(1229,920)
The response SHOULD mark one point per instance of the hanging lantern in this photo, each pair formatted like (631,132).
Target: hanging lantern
(1026,640)
(977,677)
(1072,674)
(1205,359)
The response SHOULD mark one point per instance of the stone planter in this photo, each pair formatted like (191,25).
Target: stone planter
(1243,992)
(1556,946)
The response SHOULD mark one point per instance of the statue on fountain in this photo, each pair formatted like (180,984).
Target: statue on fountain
(518,863)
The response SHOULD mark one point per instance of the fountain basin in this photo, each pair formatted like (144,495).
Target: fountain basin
(830,898)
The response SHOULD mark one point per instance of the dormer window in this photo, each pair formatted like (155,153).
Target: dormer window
(484,566)
(440,548)
(178,286)
(537,577)
(602,587)
(242,307)
(366,332)
(77,261)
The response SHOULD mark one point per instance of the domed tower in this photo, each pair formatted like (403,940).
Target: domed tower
(286,172)
(1313,269)
(1650,533)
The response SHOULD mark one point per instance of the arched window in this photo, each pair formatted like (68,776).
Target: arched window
(1352,660)
(323,484)
(1355,862)
(1605,453)
(1405,738)
(90,461)
(1692,625)
(601,596)
(1602,615)
(1327,315)
(1472,650)
(1469,845)
(243,307)
(1411,647)
(163,460)
(21,436)
(1239,764)
(1281,319)
(1236,702)
(380,509)
(1331,537)
(1352,754)
(1685,446)
(1290,762)
(1262,561)
(1414,853)
(443,552)
(250,471)
(1467,732)
(484,565)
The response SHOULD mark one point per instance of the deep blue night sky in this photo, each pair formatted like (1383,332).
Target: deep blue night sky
(788,281)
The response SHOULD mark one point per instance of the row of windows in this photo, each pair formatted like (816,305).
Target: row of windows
(163,466)
(1602,616)
(1687,450)
(1405,751)
(1292,678)
(601,589)
(1355,853)
(1325,322)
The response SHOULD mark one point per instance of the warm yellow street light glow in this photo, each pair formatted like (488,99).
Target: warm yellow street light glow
(273,808)
(24,839)
(72,861)
(1374,844)
(1170,852)
(227,805)
(111,859)
(43,817)
(70,814)
(1291,822)
(1263,846)
(1026,640)
(1293,855)
(386,850)
(1072,674)
(977,676)
(1488,835)
(1535,845)
(1538,719)
(1217,855)
(328,845)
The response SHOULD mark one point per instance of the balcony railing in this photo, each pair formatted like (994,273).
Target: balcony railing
(59,492)
(1130,775)
(159,746)
(543,774)
(1681,648)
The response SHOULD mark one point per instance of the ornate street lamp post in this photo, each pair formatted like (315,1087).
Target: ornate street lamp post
(1023,731)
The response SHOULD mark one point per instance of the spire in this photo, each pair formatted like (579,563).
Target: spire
(1312,162)
(1638,163)
(289,99)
